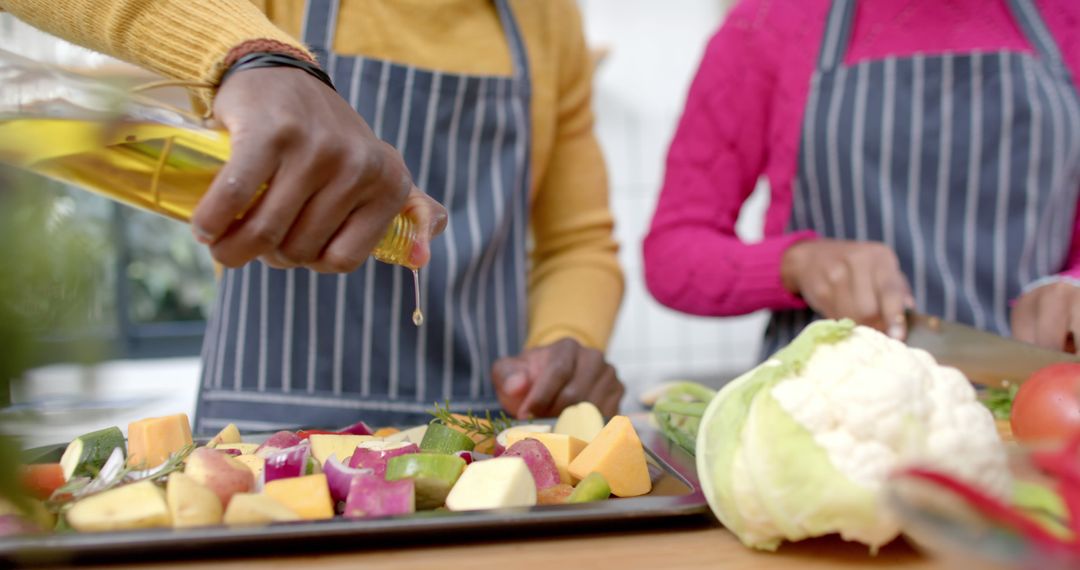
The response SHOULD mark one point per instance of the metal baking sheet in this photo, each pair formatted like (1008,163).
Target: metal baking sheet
(676,498)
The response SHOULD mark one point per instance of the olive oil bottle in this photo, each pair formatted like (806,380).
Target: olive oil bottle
(91,134)
(158,167)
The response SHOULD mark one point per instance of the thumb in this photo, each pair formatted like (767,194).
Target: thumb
(430,218)
(511,379)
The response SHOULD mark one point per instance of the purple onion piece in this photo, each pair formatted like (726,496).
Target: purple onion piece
(278,441)
(285,463)
(339,477)
(359,428)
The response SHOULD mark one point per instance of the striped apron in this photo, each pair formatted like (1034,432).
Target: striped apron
(288,348)
(966,165)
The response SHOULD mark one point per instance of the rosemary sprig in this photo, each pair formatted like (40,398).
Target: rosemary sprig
(487,426)
(77,489)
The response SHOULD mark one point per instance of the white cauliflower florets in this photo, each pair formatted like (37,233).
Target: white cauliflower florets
(874,405)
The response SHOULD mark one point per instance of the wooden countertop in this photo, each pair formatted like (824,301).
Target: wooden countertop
(704,546)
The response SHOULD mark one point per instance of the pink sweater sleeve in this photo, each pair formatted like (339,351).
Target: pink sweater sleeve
(694,261)
(1063,19)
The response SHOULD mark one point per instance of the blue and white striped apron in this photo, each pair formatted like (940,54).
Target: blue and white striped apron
(966,165)
(289,348)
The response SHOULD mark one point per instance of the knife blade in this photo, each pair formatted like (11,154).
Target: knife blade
(985,358)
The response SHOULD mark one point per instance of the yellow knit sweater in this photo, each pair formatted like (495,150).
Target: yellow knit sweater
(575,284)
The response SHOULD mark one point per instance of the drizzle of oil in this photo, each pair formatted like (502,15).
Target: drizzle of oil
(417,314)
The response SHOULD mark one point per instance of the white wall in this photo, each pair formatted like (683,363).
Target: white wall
(655,48)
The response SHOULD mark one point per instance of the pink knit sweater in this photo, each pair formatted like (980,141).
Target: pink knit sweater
(743,119)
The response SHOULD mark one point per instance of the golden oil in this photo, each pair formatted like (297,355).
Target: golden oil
(157,167)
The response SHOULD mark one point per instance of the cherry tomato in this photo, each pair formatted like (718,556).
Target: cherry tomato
(1047,405)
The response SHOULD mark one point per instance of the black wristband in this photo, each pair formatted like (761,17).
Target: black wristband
(269,59)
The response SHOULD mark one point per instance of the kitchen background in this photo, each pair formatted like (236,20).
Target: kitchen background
(158,282)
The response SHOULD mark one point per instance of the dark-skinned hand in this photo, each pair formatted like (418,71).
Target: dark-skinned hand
(542,382)
(1048,316)
(331,186)
(861,281)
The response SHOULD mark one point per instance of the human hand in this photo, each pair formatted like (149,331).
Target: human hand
(861,281)
(1048,316)
(332,187)
(543,381)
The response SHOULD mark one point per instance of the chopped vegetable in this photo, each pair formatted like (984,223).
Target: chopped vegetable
(374,455)
(285,463)
(433,475)
(323,445)
(501,442)
(359,428)
(592,488)
(220,473)
(191,504)
(135,506)
(440,438)
(554,495)
(278,441)
(372,496)
(482,431)
(564,449)
(497,483)
(308,496)
(228,434)
(307,433)
(249,509)
(86,454)
(340,477)
(617,454)
(539,461)
(153,440)
(43,479)
(582,421)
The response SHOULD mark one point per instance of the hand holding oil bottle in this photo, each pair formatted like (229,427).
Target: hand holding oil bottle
(304,182)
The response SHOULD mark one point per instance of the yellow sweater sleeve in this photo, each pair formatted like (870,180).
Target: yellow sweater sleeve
(180,39)
(575,283)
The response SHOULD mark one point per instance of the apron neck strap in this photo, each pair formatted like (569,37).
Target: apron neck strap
(840,22)
(320,24)
(834,42)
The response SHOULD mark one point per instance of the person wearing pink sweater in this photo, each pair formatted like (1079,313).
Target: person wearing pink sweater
(920,154)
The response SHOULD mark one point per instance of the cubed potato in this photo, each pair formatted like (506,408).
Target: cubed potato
(135,506)
(190,503)
(249,509)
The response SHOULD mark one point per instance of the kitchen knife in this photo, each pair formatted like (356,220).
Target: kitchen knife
(985,358)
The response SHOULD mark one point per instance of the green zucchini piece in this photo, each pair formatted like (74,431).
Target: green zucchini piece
(86,454)
(592,488)
(440,438)
(433,475)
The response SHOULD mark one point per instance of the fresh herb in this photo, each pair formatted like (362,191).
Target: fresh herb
(487,426)
(113,475)
(1000,400)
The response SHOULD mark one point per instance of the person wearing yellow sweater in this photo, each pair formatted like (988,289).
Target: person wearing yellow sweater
(488,104)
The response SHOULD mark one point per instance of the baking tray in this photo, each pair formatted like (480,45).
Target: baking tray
(676,498)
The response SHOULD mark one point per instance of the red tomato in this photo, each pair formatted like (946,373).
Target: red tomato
(306,433)
(42,479)
(1047,405)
